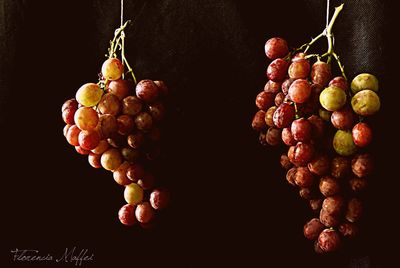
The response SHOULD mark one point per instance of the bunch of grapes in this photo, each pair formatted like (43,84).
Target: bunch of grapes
(116,123)
(323,121)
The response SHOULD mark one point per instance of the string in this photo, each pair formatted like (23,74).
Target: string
(327,13)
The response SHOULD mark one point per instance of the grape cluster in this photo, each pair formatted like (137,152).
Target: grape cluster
(116,123)
(323,121)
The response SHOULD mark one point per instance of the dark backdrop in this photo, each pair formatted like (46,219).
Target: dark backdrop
(231,204)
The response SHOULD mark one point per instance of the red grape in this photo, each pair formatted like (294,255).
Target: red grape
(358,184)
(303,177)
(301,130)
(313,228)
(125,124)
(107,125)
(144,121)
(120,176)
(94,160)
(279,98)
(320,73)
(159,198)
(258,122)
(276,70)
(120,88)
(272,87)
(287,137)
(157,111)
(354,210)
(285,162)
(264,100)
(286,85)
(339,82)
(340,167)
(300,91)
(89,139)
(86,118)
(290,176)
(273,136)
(126,215)
(362,134)
(283,115)
(343,119)
(146,181)
(135,172)
(109,104)
(348,229)
(146,90)
(328,186)
(72,135)
(81,151)
(144,212)
(319,165)
(299,68)
(303,153)
(136,140)
(276,47)
(329,240)
(333,205)
(111,159)
(362,165)
(131,105)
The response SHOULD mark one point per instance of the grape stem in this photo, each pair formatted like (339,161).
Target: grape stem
(329,36)
(119,42)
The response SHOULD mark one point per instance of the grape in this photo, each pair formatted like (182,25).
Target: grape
(81,151)
(162,87)
(364,81)
(88,139)
(276,47)
(86,118)
(329,240)
(299,91)
(261,138)
(273,136)
(286,85)
(101,147)
(279,98)
(126,215)
(315,204)
(365,102)
(329,220)
(68,111)
(348,229)
(72,135)
(303,153)
(290,176)
(109,104)
(317,248)
(313,228)
(343,143)
(269,116)
(144,121)
(117,140)
(328,186)
(129,154)
(65,129)
(317,126)
(131,105)
(283,115)
(94,160)
(339,82)
(135,172)
(159,198)
(287,137)
(107,125)
(332,98)
(301,130)
(264,100)
(358,184)
(276,70)
(362,165)
(354,210)
(133,194)
(272,87)
(340,167)
(343,119)
(303,177)
(333,205)
(285,162)
(144,212)
(112,69)
(146,181)
(136,140)
(68,116)
(157,111)
(89,94)
(258,122)
(320,73)
(111,159)
(319,165)
(306,193)
(324,114)
(125,124)
(120,88)
(120,176)
(299,68)
(147,91)
(362,134)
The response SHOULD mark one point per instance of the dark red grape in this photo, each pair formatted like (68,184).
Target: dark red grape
(157,111)
(319,165)
(339,82)
(306,193)
(315,204)
(299,91)
(136,140)
(125,124)
(286,85)
(299,68)
(348,229)
(287,137)
(72,135)
(147,90)
(283,115)
(285,162)
(144,212)
(273,136)
(313,228)
(317,126)
(258,122)
(329,220)
(303,177)
(277,69)
(354,210)
(290,176)
(362,134)
(340,166)
(144,121)
(264,100)
(276,47)
(126,215)
(358,184)
(88,139)
(147,181)
(94,160)
(301,130)
(320,73)
(343,119)
(279,98)
(159,198)
(131,105)
(120,88)
(362,165)
(333,205)
(135,172)
(162,87)
(272,87)
(303,153)
(329,240)
(329,186)
(81,151)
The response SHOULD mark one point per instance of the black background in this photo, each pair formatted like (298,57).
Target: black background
(231,204)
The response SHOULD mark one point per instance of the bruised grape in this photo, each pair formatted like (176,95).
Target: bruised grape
(283,115)
(303,177)
(329,240)
(328,186)
(362,165)
(277,69)
(313,228)
(264,100)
